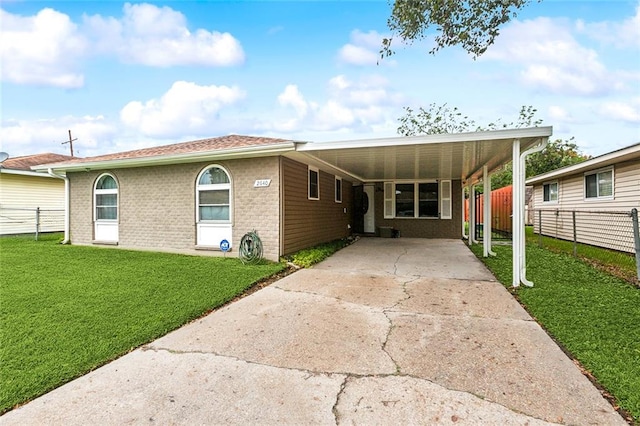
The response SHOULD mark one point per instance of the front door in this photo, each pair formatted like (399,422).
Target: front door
(368,198)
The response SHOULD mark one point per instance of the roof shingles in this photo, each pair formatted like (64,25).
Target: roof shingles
(203,145)
(25,162)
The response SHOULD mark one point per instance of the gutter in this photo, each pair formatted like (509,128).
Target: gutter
(66,203)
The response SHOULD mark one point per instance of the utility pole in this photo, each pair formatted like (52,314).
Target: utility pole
(70,142)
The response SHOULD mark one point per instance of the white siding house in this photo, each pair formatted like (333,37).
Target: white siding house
(22,191)
(608,183)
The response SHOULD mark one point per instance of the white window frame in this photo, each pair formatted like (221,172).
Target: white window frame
(550,201)
(213,187)
(390,199)
(317,171)
(97,192)
(596,173)
(338,191)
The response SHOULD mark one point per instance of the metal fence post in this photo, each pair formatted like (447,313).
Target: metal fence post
(539,228)
(636,237)
(37,222)
(575,235)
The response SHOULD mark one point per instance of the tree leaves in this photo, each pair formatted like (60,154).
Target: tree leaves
(472,24)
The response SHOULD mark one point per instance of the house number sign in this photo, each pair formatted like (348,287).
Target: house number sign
(262,183)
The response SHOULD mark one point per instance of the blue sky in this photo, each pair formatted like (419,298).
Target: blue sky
(130,75)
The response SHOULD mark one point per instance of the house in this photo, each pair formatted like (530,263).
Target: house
(188,197)
(601,191)
(22,191)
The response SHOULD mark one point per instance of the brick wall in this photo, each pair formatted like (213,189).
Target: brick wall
(157,205)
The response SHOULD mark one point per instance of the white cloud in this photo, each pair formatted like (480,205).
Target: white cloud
(292,97)
(622,111)
(355,105)
(557,113)
(41,49)
(551,58)
(94,135)
(185,109)
(363,49)
(158,36)
(623,34)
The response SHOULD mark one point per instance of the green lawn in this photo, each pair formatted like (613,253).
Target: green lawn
(65,310)
(594,315)
(620,264)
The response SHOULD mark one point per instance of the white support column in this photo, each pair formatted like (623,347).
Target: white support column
(464,211)
(486,227)
(522,239)
(472,215)
(515,221)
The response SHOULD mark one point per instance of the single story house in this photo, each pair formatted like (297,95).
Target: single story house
(23,191)
(190,196)
(601,190)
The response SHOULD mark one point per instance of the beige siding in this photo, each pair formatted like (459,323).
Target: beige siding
(593,225)
(157,205)
(19,197)
(424,228)
(310,222)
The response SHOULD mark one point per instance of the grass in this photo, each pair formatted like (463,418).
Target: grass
(593,315)
(622,265)
(308,257)
(65,310)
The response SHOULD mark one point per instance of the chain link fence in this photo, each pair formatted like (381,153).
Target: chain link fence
(15,220)
(607,239)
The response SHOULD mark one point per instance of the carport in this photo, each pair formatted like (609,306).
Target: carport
(452,161)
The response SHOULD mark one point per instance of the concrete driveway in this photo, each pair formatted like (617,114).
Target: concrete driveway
(387,331)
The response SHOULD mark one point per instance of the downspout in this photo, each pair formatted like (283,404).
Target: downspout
(523,166)
(66,203)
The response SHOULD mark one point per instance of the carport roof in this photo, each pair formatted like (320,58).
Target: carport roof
(442,156)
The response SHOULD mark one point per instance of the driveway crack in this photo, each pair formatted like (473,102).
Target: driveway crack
(334,409)
(386,341)
(395,263)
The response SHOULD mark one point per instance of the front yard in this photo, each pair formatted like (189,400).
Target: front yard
(593,315)
(65,310)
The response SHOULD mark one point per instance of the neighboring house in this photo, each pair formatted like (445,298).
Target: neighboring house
(607,183)
(188,197)
(22,191)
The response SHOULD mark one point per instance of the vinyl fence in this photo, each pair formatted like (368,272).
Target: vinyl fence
(614,232)
(15,220)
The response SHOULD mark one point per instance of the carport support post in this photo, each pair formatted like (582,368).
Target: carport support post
(472,214)
(515,218)
(486,227)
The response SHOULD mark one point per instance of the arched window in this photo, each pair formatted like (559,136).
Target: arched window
(213,195)
(106,198)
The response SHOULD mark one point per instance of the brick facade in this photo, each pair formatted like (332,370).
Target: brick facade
(157,205)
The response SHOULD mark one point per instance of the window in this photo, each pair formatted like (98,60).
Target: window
(106,198)
(213,192)
(417,200)
(338,190)
(428,201)
(405,200)
(314,187)
(550,192)
(599,184)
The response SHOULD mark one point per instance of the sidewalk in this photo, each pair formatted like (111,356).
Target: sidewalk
(387,331)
